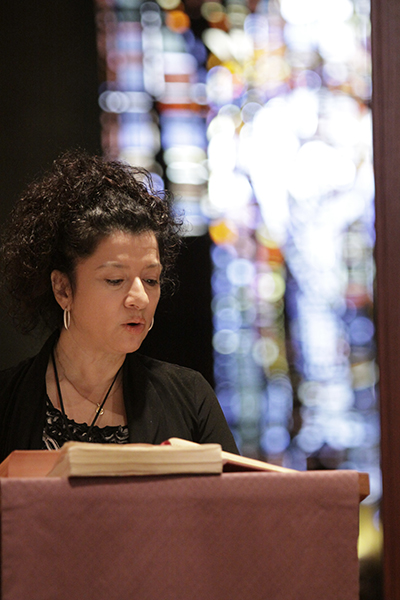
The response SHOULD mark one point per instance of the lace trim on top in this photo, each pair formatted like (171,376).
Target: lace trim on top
(55,433)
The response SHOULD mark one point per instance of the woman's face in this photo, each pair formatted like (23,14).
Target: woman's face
(116,293)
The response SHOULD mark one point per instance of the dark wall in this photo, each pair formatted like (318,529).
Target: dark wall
(48,103)
(183,328)
(48,96)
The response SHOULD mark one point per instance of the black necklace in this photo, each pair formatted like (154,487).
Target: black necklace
(99,408)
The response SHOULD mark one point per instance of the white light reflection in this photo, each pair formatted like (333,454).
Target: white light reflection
(335,73)
(236,45)
(224,124)
(241,272)
(221,153)
(219,86)
(142,134)
(249,111)
(301,37)
(318,333)
(343,432)
(119,102)
(228,191)
(191,154)
(256,27)
(219,43)
(365,376)
(152,45)
(270,287)
(275,440)
(226,341)
(213,12)
(310,438)
(267,151)
(320,169)
(227,318)
(302,111)
(336,41)
(180,128)
(335,11)
(168,4)
(343,122)
(151,16)
(280,399)
(186,172)
(309,11)
(179,63)
(223,302)
(265,352)
(198,93)
(300,13)
(241,45)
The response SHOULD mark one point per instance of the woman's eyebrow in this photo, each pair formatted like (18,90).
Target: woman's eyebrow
(111,264)
(114,264)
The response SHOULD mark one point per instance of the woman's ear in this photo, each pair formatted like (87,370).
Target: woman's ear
(61,289)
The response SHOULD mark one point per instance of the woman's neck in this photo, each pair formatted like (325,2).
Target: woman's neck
(88,371)
(84,379)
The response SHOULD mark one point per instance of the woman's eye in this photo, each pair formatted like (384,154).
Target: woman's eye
(152,282)
(114,282)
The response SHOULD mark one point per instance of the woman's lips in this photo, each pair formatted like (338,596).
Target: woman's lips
(135,326)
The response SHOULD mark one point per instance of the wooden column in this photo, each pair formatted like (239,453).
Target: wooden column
(385,16)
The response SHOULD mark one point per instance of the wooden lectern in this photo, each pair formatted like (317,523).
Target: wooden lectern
(235,536)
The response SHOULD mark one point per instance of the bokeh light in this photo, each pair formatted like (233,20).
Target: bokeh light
(257,116)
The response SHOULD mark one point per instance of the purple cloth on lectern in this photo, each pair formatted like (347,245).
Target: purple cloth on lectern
(239,536)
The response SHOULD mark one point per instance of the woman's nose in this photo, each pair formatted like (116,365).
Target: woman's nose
(137,295)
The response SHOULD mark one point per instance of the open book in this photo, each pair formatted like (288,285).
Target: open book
(175,456)
(232,462)
(84,459)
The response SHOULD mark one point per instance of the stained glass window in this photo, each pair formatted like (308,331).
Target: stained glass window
(256,114)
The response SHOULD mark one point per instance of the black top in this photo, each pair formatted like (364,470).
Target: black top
(55,432)
(161,401)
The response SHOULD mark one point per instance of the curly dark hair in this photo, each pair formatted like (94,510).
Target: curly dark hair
(64,215)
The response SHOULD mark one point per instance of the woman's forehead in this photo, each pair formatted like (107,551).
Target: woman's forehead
(120,247)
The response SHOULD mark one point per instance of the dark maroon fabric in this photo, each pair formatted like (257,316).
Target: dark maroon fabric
(239,536)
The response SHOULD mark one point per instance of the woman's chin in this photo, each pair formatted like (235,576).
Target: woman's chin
(133,337)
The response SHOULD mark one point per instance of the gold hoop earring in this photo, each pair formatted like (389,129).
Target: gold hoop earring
(67,318)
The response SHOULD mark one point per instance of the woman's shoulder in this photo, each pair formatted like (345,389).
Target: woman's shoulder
(15,371)
(184,395)
(11,379)
(169,379)
(32,370)
(166,369)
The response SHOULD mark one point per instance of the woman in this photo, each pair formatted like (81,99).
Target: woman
(86,252)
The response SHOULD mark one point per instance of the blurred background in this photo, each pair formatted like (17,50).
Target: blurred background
(256,114)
